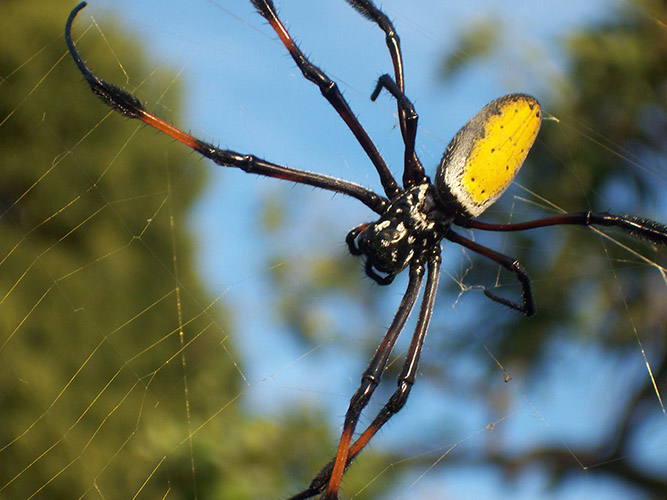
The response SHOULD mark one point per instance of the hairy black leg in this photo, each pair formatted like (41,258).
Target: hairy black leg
(639,227)
(527,306)
(368,9)
(413,171)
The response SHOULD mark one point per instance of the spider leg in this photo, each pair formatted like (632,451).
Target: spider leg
(413,171)
(639,227)
(129,106)
(397,400)
(369,381)
(409,371)
(332,93)
(370,11)
(527,306)
(367,9)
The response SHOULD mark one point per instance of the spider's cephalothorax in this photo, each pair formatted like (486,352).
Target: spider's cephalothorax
(412,226)
(501,133)
(477,167)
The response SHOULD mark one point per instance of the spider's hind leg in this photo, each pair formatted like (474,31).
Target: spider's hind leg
(527,305)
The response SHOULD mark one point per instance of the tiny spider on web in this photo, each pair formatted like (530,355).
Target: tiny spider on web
(414,217)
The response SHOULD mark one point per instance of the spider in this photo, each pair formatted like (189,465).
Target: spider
(478,165)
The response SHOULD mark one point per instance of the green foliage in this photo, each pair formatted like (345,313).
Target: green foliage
(88,308)
(477,41)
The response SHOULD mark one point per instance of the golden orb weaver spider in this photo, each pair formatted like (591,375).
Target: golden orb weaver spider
(479,164)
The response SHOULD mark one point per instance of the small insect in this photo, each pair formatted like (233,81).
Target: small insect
(413,218)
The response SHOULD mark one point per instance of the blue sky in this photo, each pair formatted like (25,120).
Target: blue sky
(243,92)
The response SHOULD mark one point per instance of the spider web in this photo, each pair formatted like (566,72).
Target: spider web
(163,341)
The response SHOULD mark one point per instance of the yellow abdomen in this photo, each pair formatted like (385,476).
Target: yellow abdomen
(485,155)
